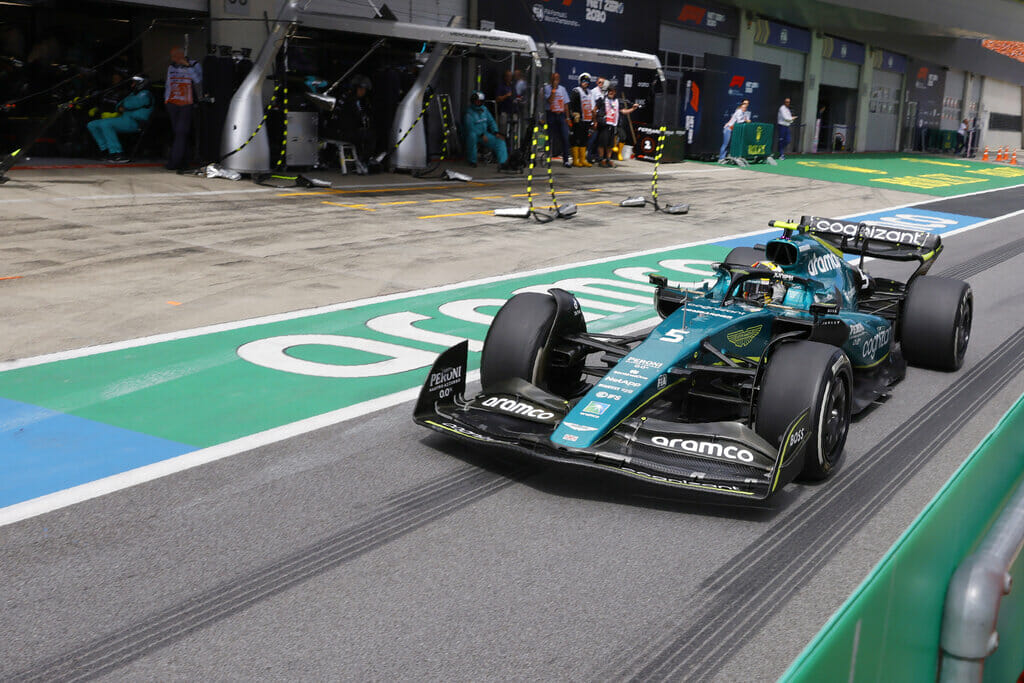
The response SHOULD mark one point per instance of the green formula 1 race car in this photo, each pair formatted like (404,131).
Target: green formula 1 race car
(745,385)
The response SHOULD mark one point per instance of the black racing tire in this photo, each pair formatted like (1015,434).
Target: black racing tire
(744,256)
(935,326)
(518,345)
(807,374)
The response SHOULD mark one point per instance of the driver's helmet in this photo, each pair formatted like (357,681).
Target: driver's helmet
(762,289)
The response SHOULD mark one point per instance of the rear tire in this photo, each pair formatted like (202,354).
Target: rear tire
(935,325)
(519,344)
(800,375)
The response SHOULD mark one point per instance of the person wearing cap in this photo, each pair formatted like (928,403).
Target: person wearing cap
(480,128)
(609,111)
(133,110)
(556,104)
(184,81)
(582,106)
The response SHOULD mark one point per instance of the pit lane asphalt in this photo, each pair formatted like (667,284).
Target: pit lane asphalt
(376,550)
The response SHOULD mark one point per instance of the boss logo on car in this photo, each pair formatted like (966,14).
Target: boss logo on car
(820,265)
(715,450)
(880,340)
(797,436)
(514,407)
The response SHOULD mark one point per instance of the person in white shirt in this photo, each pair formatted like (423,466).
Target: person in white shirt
(785,120)
(556,104)
(961,136)
(741,115)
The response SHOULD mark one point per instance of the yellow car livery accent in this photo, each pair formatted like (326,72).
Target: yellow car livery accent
(785,447)
(741,338)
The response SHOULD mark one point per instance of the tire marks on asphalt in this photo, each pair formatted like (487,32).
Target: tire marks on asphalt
(401,515)
(986,260)
(746,591)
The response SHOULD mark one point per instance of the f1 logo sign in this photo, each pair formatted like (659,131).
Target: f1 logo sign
(736,82)
(692,13)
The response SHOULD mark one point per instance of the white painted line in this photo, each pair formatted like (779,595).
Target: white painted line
(60,499)
(101,487)
(984,222)
(333,308)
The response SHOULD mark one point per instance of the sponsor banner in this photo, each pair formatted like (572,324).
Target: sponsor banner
(604,24)
(702,16)
(926,85)
(782,35)
(725,83)
(842,50)
(888,61)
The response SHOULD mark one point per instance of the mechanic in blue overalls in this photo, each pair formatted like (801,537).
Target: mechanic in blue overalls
(480,127)
(134,111)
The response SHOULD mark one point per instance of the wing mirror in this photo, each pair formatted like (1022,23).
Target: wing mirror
(820,309)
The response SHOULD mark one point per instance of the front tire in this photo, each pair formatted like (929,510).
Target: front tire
(802,375)
(525,340)
(935,325)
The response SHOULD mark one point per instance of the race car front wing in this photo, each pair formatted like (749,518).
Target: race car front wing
(725,458)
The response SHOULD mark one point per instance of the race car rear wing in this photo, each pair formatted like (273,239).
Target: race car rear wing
(878,241)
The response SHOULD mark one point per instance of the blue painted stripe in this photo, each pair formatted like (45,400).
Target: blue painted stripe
(43,451)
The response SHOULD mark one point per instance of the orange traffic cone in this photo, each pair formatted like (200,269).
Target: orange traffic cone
(1013,159)
(984,156)
(999,156)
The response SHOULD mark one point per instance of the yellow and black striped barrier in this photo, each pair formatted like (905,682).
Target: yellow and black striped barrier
(547,161)
(284,141)
(423,111)
(657,162)
(640,200)
(445,117)
(259,127)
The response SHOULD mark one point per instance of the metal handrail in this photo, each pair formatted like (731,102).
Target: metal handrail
(981,580)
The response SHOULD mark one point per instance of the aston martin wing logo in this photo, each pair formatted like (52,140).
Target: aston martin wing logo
(741,338)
